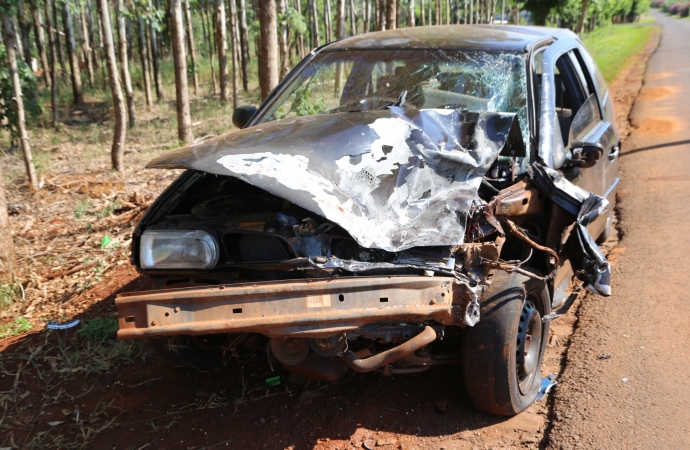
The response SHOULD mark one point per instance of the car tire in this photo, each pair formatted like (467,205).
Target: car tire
(497,379)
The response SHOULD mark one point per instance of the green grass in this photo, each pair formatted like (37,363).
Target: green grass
(19,326)
(613,46)
(99,329)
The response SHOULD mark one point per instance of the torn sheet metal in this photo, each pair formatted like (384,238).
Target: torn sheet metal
(394,179)
(586,207)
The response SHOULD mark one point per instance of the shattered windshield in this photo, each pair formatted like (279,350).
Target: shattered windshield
(365,80)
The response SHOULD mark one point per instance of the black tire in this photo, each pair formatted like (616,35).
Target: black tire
(497,380)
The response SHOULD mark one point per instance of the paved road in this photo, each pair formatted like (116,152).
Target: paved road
(640,397)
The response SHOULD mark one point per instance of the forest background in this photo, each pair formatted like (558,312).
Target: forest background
(90,90)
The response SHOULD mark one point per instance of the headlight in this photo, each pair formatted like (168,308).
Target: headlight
(177,250)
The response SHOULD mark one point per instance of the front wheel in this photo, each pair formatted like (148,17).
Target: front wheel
(503,352)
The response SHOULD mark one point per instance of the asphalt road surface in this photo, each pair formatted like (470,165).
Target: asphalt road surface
(640,397)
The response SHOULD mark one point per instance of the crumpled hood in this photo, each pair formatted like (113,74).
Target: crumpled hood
(394,179)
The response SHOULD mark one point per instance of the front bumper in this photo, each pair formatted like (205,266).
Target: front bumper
(308,308)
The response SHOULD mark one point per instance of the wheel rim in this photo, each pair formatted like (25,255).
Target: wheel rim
(528,349)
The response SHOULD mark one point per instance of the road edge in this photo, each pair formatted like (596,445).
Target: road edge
(624,90)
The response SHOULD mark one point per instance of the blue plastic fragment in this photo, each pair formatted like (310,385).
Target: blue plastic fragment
(53,325)
(546,384)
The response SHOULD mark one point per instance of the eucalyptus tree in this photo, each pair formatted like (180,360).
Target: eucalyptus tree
(75,71)
(268,54)
(221,48)
(121,14)
(10,44)
(40,41)
(184,121)
(120,132)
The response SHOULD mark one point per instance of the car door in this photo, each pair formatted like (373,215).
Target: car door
(573,121)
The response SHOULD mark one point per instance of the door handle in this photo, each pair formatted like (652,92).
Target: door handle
(614,152)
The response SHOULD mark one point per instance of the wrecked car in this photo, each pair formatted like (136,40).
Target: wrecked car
(403,199)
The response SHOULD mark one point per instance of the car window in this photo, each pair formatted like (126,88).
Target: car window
(364,80)
(593,69)
(585,120)
(318,92)
(571,93)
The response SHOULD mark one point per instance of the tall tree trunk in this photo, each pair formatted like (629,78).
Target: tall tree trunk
(53,64)
(283,37)
(8,257)
(24,29)
(464,12)
(211,46)
(75,72)
(380,14)
(124,62)
(503,12)
(244,44)
(339,34)
(437,11)
(300,36)
(190,44)
(327,20)
(316,39)
(58,40)
(184,120)
(101,50)
(448,12)
(268,56)
(144,58)
(390,14)
(235,46)
(517,13)
(88,56)
(120,133)
(471,11)
(221,48)
(154,60)
(581,19)
(422,12)
(40,41)
(11,49)
(366,12)
(410,14)
(353,18)
(340,20)
(92,38)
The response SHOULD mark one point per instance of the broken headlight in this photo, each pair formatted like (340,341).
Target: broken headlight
(177,250)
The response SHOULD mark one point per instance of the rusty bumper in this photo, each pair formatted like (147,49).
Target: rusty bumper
(313,308)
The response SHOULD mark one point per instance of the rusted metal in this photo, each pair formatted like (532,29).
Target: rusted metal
(520,199)
(298,308)
(390,356)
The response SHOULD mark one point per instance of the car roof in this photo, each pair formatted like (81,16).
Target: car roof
(493,38)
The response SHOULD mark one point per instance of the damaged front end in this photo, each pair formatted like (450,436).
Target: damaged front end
(321,232)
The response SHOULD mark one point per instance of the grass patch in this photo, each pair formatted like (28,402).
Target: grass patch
(19,326)
(99,329)
(613,46)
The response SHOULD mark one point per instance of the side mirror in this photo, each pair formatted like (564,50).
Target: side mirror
(241,115)
(585,154)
